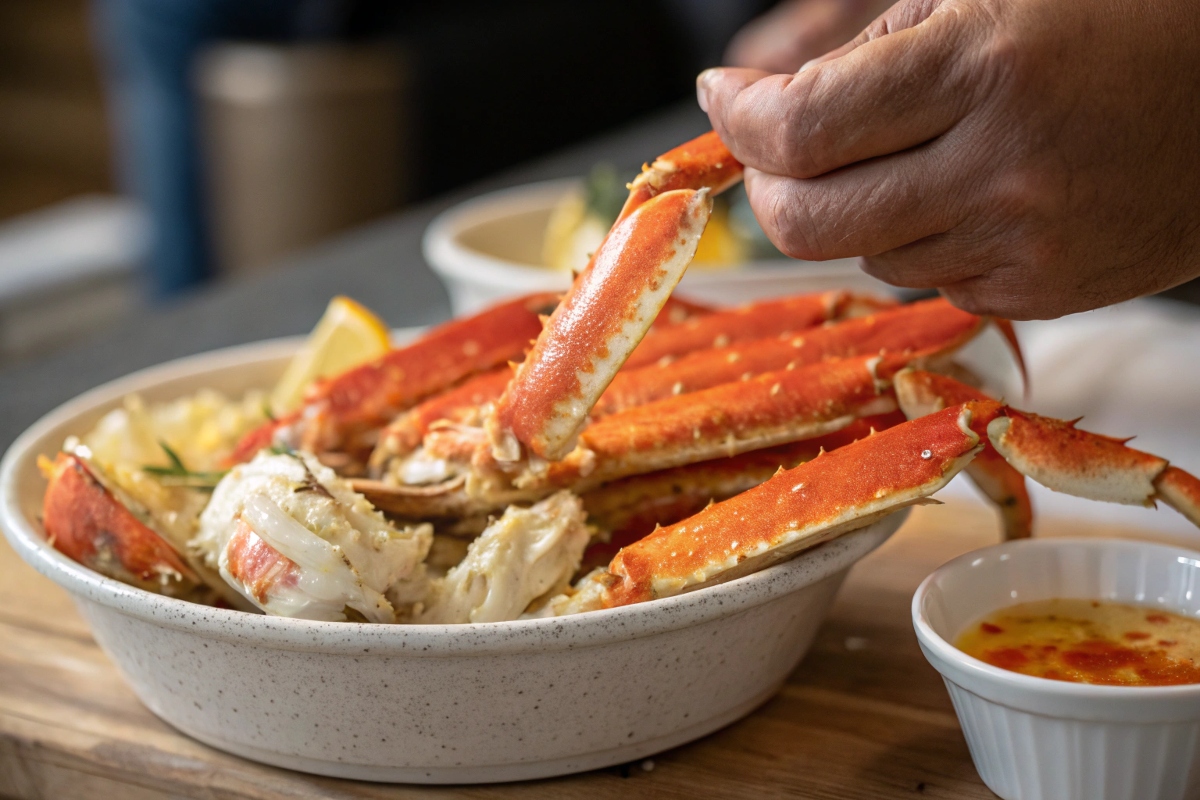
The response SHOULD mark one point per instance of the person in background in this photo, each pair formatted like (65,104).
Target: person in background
(148,48)
(585,66)
(1028,158)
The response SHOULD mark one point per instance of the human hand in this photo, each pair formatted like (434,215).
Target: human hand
(1030,158)
(797,31)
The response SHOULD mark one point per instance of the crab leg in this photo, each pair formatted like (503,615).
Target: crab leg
(84,521)
(840,491)
(759,320)
(919,393)
(594,329)
(464,404)
(631,508)
(771,409)
(612,303)
(339,412)
(702,163)
(933,323)
(1061,457)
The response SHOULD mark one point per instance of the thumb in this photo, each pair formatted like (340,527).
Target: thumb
(715,86)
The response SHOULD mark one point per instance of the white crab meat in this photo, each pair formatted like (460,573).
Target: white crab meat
(297,541)
(525,554)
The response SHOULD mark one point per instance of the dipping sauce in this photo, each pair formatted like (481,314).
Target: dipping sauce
(1087,641)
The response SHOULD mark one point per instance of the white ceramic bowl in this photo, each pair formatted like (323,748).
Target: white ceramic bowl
(1038,739)
(428,704)
(490,247)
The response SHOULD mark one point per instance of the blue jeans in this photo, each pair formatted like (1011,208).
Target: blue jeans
(148,49)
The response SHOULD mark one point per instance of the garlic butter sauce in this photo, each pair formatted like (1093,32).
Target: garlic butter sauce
(1088,641)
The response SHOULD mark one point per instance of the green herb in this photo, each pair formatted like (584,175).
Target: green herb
(266,409)
(605,192)
(178,475)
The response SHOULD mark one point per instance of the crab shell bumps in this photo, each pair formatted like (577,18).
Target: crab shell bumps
(293,538)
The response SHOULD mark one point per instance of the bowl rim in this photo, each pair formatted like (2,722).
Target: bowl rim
(584,630)
(1044,695)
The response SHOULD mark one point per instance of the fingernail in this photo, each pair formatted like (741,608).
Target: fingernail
(810,63)
(703,81)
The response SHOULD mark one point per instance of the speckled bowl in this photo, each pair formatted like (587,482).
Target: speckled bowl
(428,704)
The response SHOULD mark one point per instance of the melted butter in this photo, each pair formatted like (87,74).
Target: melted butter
(1087,641)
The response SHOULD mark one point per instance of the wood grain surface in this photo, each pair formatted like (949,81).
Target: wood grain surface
(864,716)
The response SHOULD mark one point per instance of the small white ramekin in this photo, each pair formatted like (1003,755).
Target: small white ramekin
(1038,739)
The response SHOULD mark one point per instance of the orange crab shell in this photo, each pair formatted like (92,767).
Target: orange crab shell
(367,397)
(84,521)
(839,491)
(604,315)
(703,162)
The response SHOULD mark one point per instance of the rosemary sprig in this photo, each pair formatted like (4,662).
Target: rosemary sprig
(179,475)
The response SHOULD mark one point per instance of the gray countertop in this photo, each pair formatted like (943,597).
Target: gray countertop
(380,265)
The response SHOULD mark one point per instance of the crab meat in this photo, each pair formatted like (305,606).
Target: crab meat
(293,538)
(518,558)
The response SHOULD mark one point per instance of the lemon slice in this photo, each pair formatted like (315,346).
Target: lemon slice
(347,335)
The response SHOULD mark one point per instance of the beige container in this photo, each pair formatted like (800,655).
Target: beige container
(300,141)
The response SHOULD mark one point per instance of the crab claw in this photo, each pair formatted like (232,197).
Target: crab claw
(86,522)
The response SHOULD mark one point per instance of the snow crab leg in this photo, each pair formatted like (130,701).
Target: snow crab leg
(84,521)
(612,303)
(345,412)
(852,486)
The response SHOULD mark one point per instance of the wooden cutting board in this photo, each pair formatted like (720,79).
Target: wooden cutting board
(864,716)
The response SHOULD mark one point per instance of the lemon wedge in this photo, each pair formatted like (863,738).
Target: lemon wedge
(347,335)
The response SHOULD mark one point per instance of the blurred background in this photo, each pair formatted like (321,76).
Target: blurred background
(150,147)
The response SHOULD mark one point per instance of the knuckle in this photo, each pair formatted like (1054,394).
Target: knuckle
(805,143)
(793,226)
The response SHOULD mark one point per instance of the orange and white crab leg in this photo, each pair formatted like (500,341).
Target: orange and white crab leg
(631,508)
(920,393)
(771,409)
(837,492)
(1061,457)
(702,163)
(84,521)
(597,325)
(787,315)
(338,410)
(920,326)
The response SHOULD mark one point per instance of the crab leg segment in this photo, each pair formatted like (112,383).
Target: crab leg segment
(597,325)
(86,522)
(797,509)
(921,326)
(339,410)
(1181,491)
(462,405)
(772,409)
(920,393)
(1061,457)
(759,320)
(702,163)
(631,508)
